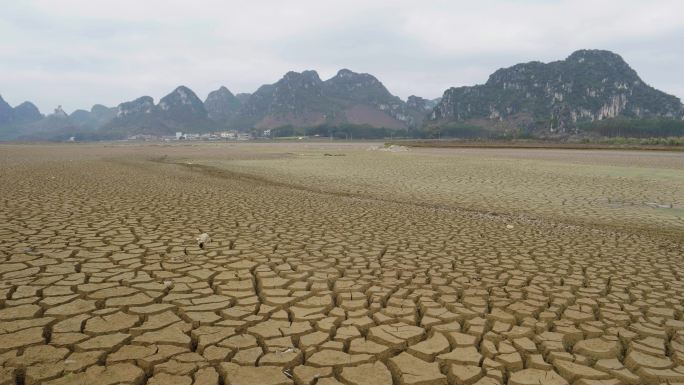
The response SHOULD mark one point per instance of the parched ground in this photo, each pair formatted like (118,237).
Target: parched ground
(425,267)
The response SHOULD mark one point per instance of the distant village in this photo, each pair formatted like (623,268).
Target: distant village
(222,135)
(211,136)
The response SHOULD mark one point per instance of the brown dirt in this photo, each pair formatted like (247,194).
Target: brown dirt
(361,114)
(309,281)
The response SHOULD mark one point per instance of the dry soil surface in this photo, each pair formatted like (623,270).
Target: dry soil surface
(425,267)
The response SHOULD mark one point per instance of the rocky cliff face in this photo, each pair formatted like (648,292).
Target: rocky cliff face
(362,88)
(556,97)
(182,102)
(303,99)
(418,103)
(181,110)
(589,85)
(366,89)
(419,108)
(222,106)
(140,106)
(295,99)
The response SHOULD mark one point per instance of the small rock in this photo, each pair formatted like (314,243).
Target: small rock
(203,240)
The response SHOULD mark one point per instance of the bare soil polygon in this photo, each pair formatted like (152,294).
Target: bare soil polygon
(429,266)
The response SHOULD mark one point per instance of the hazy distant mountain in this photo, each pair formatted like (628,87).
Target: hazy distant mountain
(26,112)
(81,117)
(295,99)
(534,97)
(421,104)
(140,106)
(589,85)
(181,110)
(18,121)
(303,99)
(222,106)
(29,124)
(419,108)
(243,97)
(361,89)
(59,113)
(97,117)
(134,117)
(102,113)
(367,100)
(6,112)
(182,105)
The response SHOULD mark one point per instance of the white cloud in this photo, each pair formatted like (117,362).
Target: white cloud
(530,26)
(80,52)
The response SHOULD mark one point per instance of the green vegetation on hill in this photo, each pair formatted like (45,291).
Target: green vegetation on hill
(303,99)
(181,110)
(590,93)
(222,106)
(589,85)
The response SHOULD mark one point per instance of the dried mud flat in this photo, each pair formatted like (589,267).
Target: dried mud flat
(326,270)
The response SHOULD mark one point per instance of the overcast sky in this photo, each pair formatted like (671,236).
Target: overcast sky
(80,52)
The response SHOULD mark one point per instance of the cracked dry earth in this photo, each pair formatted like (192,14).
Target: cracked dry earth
(101,283)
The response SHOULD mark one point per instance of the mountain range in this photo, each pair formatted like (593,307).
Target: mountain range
(303,99)
(23,113)
(543,98)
